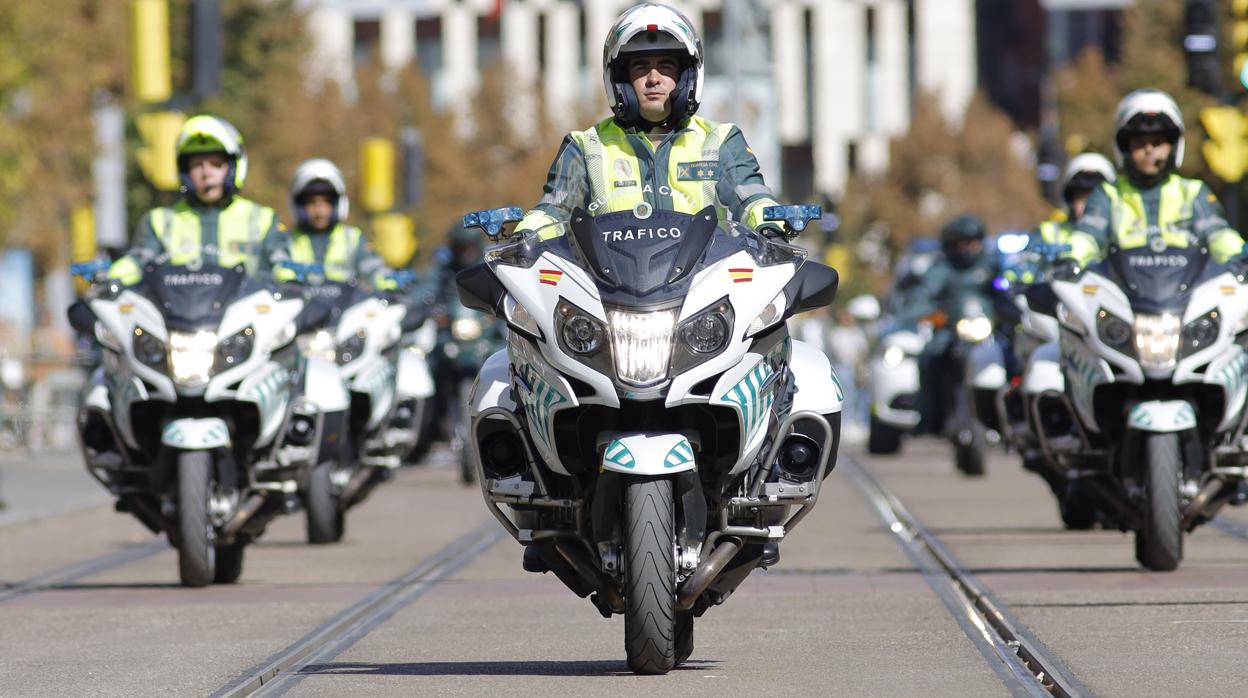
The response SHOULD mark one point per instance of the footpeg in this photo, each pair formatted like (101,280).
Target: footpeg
(771,555)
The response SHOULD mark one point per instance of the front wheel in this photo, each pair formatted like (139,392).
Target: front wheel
(196,552)
(325,518)
(460,433)
(1159,544)
(969,450)
(882,438)
(650,576)
(229,563)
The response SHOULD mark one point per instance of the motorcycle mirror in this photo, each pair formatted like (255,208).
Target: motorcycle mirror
(480,290)
(491,221)
(796,217)
(416,315)
(814,286)
(81,317)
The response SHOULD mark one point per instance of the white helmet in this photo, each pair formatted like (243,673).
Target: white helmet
(648,28)
(1086,171)
(1147,111)
(326,174)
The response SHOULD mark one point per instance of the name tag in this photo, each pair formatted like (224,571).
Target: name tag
(700,171)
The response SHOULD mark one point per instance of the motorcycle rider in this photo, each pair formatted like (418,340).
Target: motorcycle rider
(1150,203)
(963,271)
(319,204)
(211,223)
(653,149)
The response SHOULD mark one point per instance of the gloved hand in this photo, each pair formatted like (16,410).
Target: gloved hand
(1065,269)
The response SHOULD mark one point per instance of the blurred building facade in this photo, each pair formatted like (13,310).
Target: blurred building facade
(819,86)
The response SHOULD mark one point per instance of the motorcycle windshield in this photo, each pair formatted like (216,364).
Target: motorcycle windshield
(642,258)
(1160,280)
(194,298)
(335,295)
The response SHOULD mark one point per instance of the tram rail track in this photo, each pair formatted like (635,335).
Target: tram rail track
(89,567)
(281,671)
(1022,662)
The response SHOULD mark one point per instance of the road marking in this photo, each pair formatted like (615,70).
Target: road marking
(280,672)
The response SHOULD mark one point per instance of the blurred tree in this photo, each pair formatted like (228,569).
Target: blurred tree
(53,65)
(937,171)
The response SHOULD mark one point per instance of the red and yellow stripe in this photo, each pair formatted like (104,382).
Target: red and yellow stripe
(741,276)
(549,276)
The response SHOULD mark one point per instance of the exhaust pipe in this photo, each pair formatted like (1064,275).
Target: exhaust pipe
(586,569)
(1202,499)
(241,517)
(706,573)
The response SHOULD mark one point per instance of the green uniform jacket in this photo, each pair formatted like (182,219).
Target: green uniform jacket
(609,168)
(946,288)
(1176,212)
(345,255)
(240,232)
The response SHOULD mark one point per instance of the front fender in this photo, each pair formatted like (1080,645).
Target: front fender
(1162,416)
(196,434)
(648,454)
(323,386)
(414,379)
(985,366)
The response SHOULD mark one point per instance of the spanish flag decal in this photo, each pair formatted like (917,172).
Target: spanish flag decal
(741,276)
(550,276)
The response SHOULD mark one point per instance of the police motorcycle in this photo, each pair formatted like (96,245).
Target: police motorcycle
(362,337)
(414,384)
(194,420)
(1152,352)
(893,368)
(651,429)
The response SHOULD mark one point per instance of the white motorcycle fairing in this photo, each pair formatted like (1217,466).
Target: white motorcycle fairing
(894,372)
(648,454)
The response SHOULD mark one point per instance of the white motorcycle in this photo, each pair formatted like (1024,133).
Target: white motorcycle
(363,339)
(192,421)
(651,429)
(1152,347)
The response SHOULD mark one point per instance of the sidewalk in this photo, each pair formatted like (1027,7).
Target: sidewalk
(39,486)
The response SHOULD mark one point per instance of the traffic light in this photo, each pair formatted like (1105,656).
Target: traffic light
(1226,150)
(377,174)
(1239,40)
(1200,42)
(150,58)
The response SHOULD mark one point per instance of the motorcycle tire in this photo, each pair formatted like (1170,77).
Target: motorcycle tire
(684,636)
(459,439)
(882,439)
(1079,510)
(969,458)
(229,563)
(196,552)
(1159,544)
(325,519)
(650,575)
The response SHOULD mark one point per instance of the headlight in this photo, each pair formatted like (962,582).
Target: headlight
(582,334)
(769,316)
(236,348)
(1201,332)
(894,356)
(641,344)
(351,348)
(1157,340)
(1114,331)
(974,330)
(707,333)
(191,356)
(319,344)
(466,329)
(149,350)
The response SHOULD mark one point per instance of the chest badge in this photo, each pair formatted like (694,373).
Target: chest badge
(699,171)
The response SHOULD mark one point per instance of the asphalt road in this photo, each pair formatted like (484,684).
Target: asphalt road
(847,612)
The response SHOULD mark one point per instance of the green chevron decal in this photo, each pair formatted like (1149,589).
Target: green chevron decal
(540,400)
(618,454)
(680,454)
